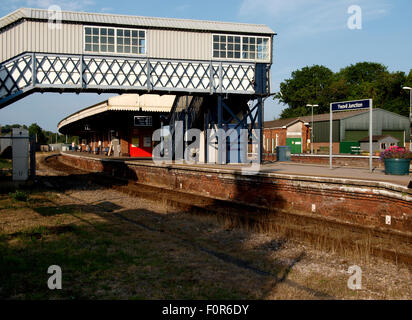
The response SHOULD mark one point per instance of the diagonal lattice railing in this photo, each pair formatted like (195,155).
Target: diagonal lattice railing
(50,72)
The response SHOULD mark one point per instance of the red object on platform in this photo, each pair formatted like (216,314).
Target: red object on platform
(141,146)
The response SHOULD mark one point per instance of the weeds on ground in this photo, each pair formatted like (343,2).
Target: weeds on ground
(19,195)
(5,164)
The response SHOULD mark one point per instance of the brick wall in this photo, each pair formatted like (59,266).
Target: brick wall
(271,135)
(335,146)
(305,137)
(350,161)
(282,134)
(360,203)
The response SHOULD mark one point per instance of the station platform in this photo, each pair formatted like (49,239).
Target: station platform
(282,168)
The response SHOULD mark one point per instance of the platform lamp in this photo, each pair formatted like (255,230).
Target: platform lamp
(311,128)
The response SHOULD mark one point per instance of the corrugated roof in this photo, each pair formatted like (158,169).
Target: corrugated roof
(124,102)
(137,21)
(316,118)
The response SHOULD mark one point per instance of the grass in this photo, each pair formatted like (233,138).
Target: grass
(107,251)
(97,260)
(95,267)
(19,196)
(5,164)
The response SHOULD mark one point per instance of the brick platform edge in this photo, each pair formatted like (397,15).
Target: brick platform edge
(358,202)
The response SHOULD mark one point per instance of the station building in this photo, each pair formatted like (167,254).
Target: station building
(349,129)
(124,124)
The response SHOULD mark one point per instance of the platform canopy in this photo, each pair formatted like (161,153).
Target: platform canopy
(124,102)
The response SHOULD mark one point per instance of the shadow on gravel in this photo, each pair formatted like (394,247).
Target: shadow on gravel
(140,253)
(187,264)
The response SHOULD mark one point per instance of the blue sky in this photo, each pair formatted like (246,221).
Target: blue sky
(309,32)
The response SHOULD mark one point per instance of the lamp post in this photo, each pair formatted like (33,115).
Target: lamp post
(410,112)
(311,128)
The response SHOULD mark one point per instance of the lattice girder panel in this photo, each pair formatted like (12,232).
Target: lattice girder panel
(238,78)
(58,71)
(102,72)
(16,75)
(181,75)
(111,73)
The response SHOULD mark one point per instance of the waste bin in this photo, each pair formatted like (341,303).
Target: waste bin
(283,153)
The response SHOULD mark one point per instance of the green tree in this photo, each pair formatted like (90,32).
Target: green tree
(317,84)
(409,79)
(361,72)
(38,132)
(9,128)
(308,85)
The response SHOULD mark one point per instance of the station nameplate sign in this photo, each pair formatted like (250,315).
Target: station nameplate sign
(351,105)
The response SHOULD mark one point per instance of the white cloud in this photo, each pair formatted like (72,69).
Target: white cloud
(303,17)
(273,8)
(183,7)
(107,10)
(71,5)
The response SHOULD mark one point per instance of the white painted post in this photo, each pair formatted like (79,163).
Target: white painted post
(370,134)
(330,137)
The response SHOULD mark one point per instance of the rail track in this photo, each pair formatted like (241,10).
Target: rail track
(325,234)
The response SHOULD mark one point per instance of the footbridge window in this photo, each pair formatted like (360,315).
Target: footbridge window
(237,47)
(114,40)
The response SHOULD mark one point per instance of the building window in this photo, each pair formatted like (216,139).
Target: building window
(106,40)
(383,146)
(91,40)
(262,48)
(226,47)
(273,146)
(130,41)
(114,40)
(237,47)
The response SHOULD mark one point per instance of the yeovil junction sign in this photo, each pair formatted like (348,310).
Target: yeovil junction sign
(346,106)
(351,105)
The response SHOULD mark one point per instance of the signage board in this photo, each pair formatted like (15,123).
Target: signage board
(351,105)
(142,121)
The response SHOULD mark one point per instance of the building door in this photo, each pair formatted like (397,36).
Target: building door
(141,146)
(295,145)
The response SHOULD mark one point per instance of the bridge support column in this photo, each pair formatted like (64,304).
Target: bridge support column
(233,114)
(221,154)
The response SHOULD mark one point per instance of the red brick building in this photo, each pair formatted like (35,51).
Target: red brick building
(292,132)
